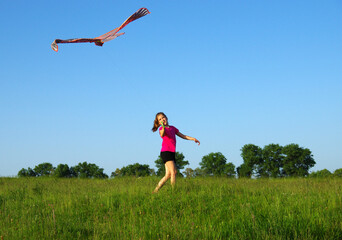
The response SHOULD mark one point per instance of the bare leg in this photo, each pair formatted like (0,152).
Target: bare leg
(163,180)
(172,168)
(170,172)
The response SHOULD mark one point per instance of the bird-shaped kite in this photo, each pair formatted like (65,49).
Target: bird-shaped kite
(99,41)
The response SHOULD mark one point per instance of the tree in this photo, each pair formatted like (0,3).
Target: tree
(297,161)
(338,172)
(44,169)
(179,162)
(136,169)
(153,172)
(27,173)
(189,173)
(321,174)
(214,164)
(73,172)
(23,173)
(100,174)
(252,161)
(229,170)
(88,170)
(272,160)
(62,170)
(244,171)
(116,173)
(198,172)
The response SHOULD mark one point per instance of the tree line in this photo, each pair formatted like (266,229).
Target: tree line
(272,160)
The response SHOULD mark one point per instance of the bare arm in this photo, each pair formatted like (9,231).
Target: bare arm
(179,134)
(162,131)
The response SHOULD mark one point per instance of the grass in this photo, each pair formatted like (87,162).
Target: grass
(200,208)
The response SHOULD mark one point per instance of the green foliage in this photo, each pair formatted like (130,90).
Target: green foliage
(198,172)
(275,161)
(338,172)
(62,170)
(44,169)
(215,164)
(179,162)
(297,161)
(229,170)
(136,170)
(116,173)
(273,158)
(23,173)
(189,173)
(244,171)
(89,170)
(26,173)
(198,208)
(321,174)
(252,159)
(82,170)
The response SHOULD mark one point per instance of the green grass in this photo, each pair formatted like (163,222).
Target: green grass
(201,208)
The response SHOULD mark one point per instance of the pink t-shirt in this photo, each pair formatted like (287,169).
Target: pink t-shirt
(169,139)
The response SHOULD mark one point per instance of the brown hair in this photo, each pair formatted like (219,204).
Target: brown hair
(156,124)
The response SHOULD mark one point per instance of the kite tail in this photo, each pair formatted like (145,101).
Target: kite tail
(54,46)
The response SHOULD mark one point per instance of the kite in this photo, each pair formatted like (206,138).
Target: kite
(99,41)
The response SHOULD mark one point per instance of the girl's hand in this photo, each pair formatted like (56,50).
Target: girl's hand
(162,124)
(196,141)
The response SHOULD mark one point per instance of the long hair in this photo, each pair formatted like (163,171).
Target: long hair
(156,123)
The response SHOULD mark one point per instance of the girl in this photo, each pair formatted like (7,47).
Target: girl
(168,134)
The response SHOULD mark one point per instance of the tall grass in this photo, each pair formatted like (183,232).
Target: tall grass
(200,208)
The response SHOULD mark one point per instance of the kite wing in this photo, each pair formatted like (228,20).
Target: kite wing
(99,41)
(138,14)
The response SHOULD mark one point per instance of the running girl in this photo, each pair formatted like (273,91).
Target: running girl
(168,151)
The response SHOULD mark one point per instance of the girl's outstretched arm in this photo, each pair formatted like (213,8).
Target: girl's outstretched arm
(179,134)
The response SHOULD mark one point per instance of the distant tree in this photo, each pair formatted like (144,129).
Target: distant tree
(153,172)
(116,173)
(23,173)
(26,173)
(62,171)
(136,169)
(253,162)
(88,170)
(272,160)
(189,173)
(244,171)
(179,162)
(198,172)
(31,172)
(297,161)
(214,164)
(83,170)
(321,174)
(44,169)
(338,172)
(100,174)
(229,170)
(73,172)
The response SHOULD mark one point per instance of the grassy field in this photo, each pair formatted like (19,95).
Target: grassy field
(201,208)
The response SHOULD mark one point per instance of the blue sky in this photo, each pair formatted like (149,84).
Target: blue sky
(229,73)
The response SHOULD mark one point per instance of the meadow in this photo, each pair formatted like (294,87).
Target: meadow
(198,208)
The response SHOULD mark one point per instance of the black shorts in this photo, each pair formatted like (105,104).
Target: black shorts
(167,156)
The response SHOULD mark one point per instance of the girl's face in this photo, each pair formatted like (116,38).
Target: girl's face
(162,119)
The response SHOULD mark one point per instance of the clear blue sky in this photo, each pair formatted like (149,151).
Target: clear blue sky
(226,72)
